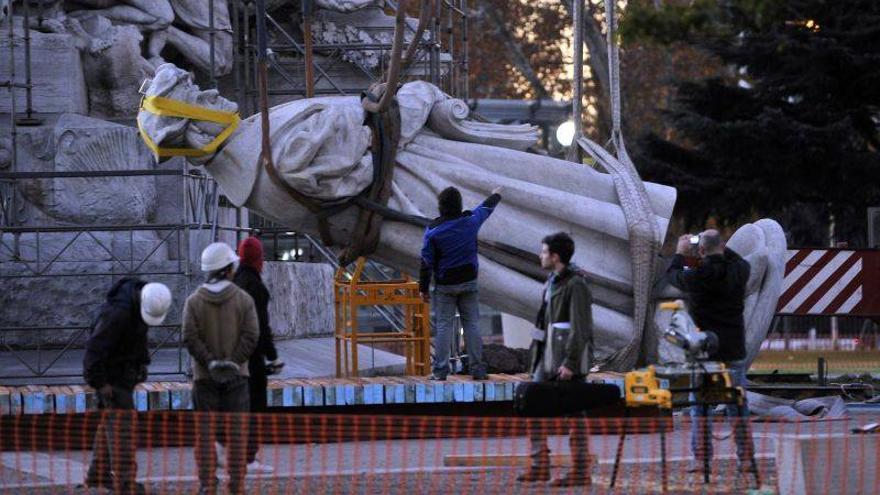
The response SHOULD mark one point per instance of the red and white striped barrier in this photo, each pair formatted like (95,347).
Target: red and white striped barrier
(831,282)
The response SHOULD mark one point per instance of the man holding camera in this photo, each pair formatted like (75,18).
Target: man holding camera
(716,290)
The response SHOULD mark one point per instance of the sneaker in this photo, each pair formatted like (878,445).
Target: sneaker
(258,467)
(436,377)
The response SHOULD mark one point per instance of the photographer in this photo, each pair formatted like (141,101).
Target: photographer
(716,290)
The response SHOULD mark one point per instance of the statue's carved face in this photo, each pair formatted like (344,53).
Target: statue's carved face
(177,84)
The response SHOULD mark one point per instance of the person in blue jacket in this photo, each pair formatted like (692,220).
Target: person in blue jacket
(449,255)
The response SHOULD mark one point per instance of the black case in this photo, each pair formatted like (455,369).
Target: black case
(563,398)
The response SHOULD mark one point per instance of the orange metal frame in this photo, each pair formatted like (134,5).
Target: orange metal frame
(352,293)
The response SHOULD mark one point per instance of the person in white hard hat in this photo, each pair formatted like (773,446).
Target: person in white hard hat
(220,330)
(115,361)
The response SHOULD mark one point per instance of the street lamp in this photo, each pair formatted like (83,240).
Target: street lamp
(565,133)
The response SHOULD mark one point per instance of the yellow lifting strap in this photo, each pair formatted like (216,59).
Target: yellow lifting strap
(167,107)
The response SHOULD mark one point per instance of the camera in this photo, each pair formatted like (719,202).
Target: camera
(695,240)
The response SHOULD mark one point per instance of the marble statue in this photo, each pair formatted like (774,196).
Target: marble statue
(320,148)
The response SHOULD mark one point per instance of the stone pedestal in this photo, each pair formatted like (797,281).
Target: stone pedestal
(302,299)
(56,72)
(517,331)
(817,464)
(75,143)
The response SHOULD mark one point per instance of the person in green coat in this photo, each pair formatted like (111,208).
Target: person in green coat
(562,349)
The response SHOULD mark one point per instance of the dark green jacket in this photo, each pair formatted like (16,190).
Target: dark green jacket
(570,302)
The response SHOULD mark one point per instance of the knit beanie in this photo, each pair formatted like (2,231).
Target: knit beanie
(250,251)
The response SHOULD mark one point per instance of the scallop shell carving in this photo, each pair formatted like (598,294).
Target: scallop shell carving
(95,200)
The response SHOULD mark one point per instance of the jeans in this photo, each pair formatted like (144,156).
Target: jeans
(209,396)
(465,298)
(741,428)
(114,446)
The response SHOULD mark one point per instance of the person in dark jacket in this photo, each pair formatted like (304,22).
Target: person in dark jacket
(248,277)
(449,255)
(115,361)
(716,291)
(562,349)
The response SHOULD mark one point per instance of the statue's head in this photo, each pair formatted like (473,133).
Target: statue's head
(177,84)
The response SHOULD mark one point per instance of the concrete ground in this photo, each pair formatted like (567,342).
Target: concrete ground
(304,358)
(417,466)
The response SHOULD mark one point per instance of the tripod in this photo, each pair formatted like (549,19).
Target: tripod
(705,389)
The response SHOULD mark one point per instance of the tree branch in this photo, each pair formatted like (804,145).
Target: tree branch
(519,59)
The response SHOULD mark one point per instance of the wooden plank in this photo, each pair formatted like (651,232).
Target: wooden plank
(275,397)
(374,391)
(34,401)
(511,460)
(15,401)
(5,401)
(313,393)
(479,391)
(158,398)
(409,391)
(421,390)
(395,392)
(181,397)
(79,394)
(292,396)
(141,402)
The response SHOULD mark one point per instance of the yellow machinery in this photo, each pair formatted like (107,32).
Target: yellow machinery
(642,388)
(698,382)
(352,293)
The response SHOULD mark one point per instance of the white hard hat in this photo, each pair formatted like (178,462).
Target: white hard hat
(217,256)
(155,302)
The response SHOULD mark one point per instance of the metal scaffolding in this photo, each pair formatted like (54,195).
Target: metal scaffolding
(304,66)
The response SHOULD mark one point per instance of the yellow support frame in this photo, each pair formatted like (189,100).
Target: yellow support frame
(352,293)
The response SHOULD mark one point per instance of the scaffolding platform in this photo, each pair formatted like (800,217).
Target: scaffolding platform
(338,393)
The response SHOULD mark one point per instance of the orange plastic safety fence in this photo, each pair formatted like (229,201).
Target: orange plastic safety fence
(176,452)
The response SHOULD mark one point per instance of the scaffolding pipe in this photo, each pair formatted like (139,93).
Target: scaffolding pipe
(577,100)
(262,53)
(11,200)
(465,61)
(309,53)
(211,37)
(29,97)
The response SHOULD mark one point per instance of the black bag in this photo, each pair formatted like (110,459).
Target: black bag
(562,398)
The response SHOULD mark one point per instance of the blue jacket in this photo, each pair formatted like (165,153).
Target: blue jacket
(449,249)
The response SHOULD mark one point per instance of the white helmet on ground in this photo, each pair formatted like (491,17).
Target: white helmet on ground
(216,256)
(155,303)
